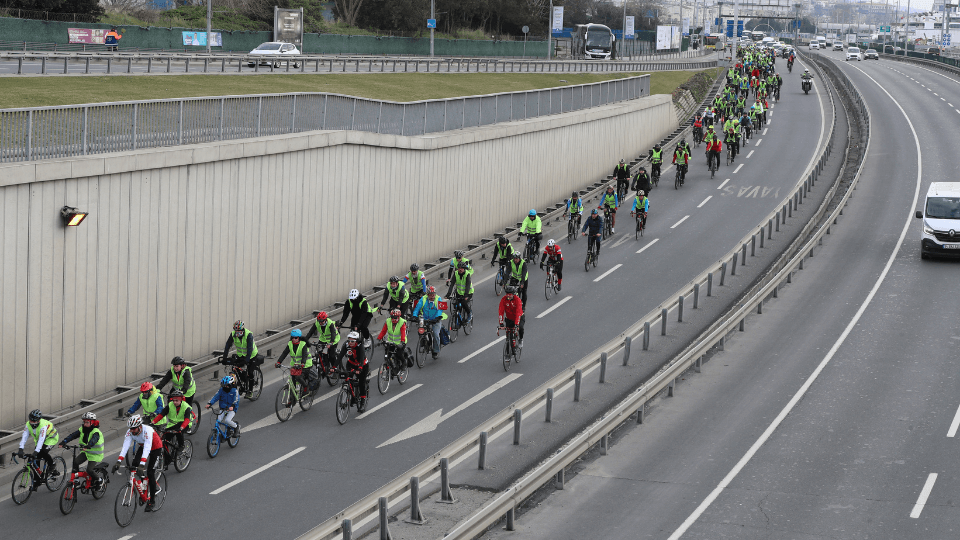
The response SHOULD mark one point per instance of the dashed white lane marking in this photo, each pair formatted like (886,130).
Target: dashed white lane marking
(924,494)
(758,142)
(652,242)
(704,201)
(555,306)
(480,350)
(607,273)
(936,94)
(765,131)
(255,472)
(674,226)
(954,425)
(735,171)
(750,154)
(723,184)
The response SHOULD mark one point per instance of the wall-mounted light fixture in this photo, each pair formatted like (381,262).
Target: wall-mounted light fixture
(72,217)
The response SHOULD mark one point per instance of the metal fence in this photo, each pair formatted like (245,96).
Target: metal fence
(79,130)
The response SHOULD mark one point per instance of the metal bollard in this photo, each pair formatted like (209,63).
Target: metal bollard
(446,496)
(760,307)
(603,367)
(626,350)
(108,64)
(778,221)
(559,481)
(604,445)
(723,272)
(769,230)
(517,419)
(696,295)
(710,284)
(482,451)
(699,364)
(549,407)
(347,527)
(646,335)
(761,238)
(416,516)
(742,321)
(801,265)
(120,413)
(510,518)
(577,379)
(384,519)
(753,245)
(733,266)
(216,375)
(720,344)
(670,387)
(789,210)
(680,309)
(790,277)
(663,322)
(776,288)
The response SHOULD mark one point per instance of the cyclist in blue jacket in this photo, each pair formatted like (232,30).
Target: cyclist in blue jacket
(229,402)
(595,224)
(428,309)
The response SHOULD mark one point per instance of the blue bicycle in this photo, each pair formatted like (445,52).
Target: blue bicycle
(500,282)
(219,434)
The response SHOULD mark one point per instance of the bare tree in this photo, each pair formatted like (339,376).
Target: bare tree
(348,9)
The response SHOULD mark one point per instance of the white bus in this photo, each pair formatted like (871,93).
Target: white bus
(595,41)
(757,36)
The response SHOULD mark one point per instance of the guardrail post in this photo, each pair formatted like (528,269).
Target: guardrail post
(510,517)
(482,453)
(778,221)
(753,245)
(789,210)
(663,321)
(640,411)
(517,420)
(761,237)
(384,519)
(710,284)
(43,66)
(776,288)
(129,65)
(416,516)
(646,336)
(577,379)
(168,65)
(742,322)
(64,66)
(446,496)
(626,350)
(120,413)
(549,406)
(347,527)
(699,364)
(671,386)
(216,375)
(733,266)
(723,272)
(680,309)
(696,295)
(20,66)
(760,307)
(604,444)
(603,367)
(769,230)
(559,481)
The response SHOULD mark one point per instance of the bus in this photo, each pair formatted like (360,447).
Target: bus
(757,36)
(595,41)
(711,41)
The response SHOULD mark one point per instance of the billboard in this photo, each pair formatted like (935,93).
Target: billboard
(557,18)
(628,28)
(668,37)
(86,35)
(200,39)
(288,26)
(686,27)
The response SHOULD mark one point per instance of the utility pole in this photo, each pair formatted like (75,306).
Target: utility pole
(623,41)
(433,15)
(906,39)
(736,38)
(209,15)
(550,31)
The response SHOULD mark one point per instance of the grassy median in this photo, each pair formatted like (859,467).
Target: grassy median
(49,91)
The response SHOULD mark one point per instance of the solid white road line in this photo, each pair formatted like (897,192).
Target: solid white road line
(255,472)
(555,306)
(750,154)
(607,273)
(723,183)
(830,354)
(704,201)
(924,493)
(389,401)
(652,242)
(735,171)
(480,350)
(952,432)
(674,226)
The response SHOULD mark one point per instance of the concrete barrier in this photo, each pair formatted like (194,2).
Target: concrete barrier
(182,241)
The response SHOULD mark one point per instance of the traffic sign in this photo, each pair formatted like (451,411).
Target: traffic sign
(431,23)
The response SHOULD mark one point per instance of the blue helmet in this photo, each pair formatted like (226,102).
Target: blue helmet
(227,381)
(533,212)
(295,333)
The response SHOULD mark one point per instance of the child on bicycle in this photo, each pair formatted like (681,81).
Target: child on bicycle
(178,414)
(228,399)
(45,436)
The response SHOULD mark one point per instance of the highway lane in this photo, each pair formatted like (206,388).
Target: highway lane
(867,451)
(340,464)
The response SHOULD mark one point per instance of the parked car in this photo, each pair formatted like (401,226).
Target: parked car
(853,53)
(271,50)
(838,45)
(933,51)
(814,45)
(871,54)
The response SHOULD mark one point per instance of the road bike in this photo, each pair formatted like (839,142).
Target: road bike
(641,219)
(511,348)
(393,367)
(295,390)
(33,468)
(136,492)
(712,163)
(460,320)
(425,341)
(530,249)
(249,378)
(83,482)
(622,190)
(655,177)
(349,396)
(573,225)
(180,457)
(678,180)
(327,361)
(593,254)
(219,434)
(730,153)
(550,286)
(498,285)
(607,222)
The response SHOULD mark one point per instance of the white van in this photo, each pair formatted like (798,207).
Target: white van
(940,233)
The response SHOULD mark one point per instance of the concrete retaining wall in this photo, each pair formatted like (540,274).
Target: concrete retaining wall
(182,241)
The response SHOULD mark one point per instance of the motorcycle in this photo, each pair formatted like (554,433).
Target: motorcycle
(807,84)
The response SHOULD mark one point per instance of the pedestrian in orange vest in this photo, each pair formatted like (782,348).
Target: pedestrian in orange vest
(112,39)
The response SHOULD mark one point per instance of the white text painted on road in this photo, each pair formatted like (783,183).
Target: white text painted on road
(555,306)
(255,472)
(674,226)
(607,273)
(924,494)
(652,242)
(480,350)
(704,201)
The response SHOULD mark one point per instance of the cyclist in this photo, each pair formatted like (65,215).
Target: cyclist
(151,449)
(641,181)
(731,140)
(246,357)
(681,157)
(747,126)
(428,309)
(714,150)
(502,252)
(394,332)
(328,335)
(622,173)
(45,436)
(552,252)
(182,377)
(761,112)
(463,284)
(417,282)
(656,158)
(357,364)
(300,356)
(398,295)
(91,442)
(532,226)
(229,402)
(519,275)
(150,399)
(641,205)
(177,415)
(595,224)
(611,201)
(458,257)
(698,128)
(360,314)
(511,312)
(574,206)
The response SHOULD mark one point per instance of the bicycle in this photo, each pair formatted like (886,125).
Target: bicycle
(498,281)
(641,219)
(83,482)
(459,319)
(180,457)
(33,468)
(530,250)
(328,362)
(593,254)
(136,492)
(697,136)
(713,163)
(219,435)
(253,382)
(392,368)
(730,154)
(607,222)
(511,349)
(550,286)
(622,190)
(348,397)
(572,227)
(295,390)
(195,413)
(425,341)
(678,181)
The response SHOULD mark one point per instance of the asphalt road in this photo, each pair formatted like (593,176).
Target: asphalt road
(310,468)
(866,449)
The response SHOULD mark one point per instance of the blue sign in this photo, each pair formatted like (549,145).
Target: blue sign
(431,23)
(730,29)
(716,21)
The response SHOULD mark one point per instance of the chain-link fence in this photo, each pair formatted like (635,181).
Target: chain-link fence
(78,130)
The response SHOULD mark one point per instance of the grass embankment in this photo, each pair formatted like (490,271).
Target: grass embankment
(43,92)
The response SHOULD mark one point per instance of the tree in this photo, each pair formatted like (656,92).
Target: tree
(348,10)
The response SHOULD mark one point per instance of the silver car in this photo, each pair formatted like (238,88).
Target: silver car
(271,51)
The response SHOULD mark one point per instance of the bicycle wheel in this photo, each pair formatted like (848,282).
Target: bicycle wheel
(468,325)
(56,477)
(306,399)
(516,354)
(570,232)
(586,262)
(452,327)
(184,456)
(498,283)
(101,475)
(161,495)
(195,423)
(402,375)
(383,378)
(20,488)
(343,406)
(68,498)
(676,180)
(506,354)
(213,443)
(548,286)
(234,439)
(125,508)
(256,384)
(423,349)
(596,257)
(284,403)
(639,231)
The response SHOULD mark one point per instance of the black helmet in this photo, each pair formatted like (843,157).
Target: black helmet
(178,361)
(574,195)
(35,415)
(176,392)
(656,146)
(502,240)
(463,265)
(394,279)
(511,289)
(458,254)
(414,267)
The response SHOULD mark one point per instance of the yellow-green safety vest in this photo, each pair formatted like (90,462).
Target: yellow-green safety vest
(461,282)
(519,272)
(393,332)
(402,294)
(149,405)
(176,416)
(325,332)
(297,355)
(95,453)
(178,381)
(52,435)
(241,345)
(656,156)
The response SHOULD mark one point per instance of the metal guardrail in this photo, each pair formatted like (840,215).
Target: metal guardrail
(79,130)
(934,64)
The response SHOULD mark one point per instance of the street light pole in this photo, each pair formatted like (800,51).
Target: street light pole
(433,15)
(209,15)
(550,31)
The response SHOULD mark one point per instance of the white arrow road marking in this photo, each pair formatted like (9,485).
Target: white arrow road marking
(255,472)
(431,422)
(555,306)
(480,350)
(389,401)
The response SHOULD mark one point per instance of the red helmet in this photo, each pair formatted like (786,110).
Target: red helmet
(146,387)
(395,314)
(431,289)
(322,316)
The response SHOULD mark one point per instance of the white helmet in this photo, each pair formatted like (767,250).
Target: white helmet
(88,416)
(134,421)
(354,294)
(551,243)
(640,193)
(355,336)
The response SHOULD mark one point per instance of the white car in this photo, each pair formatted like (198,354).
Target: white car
(814,45)
(269,52)
(853,53)
(838,46)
